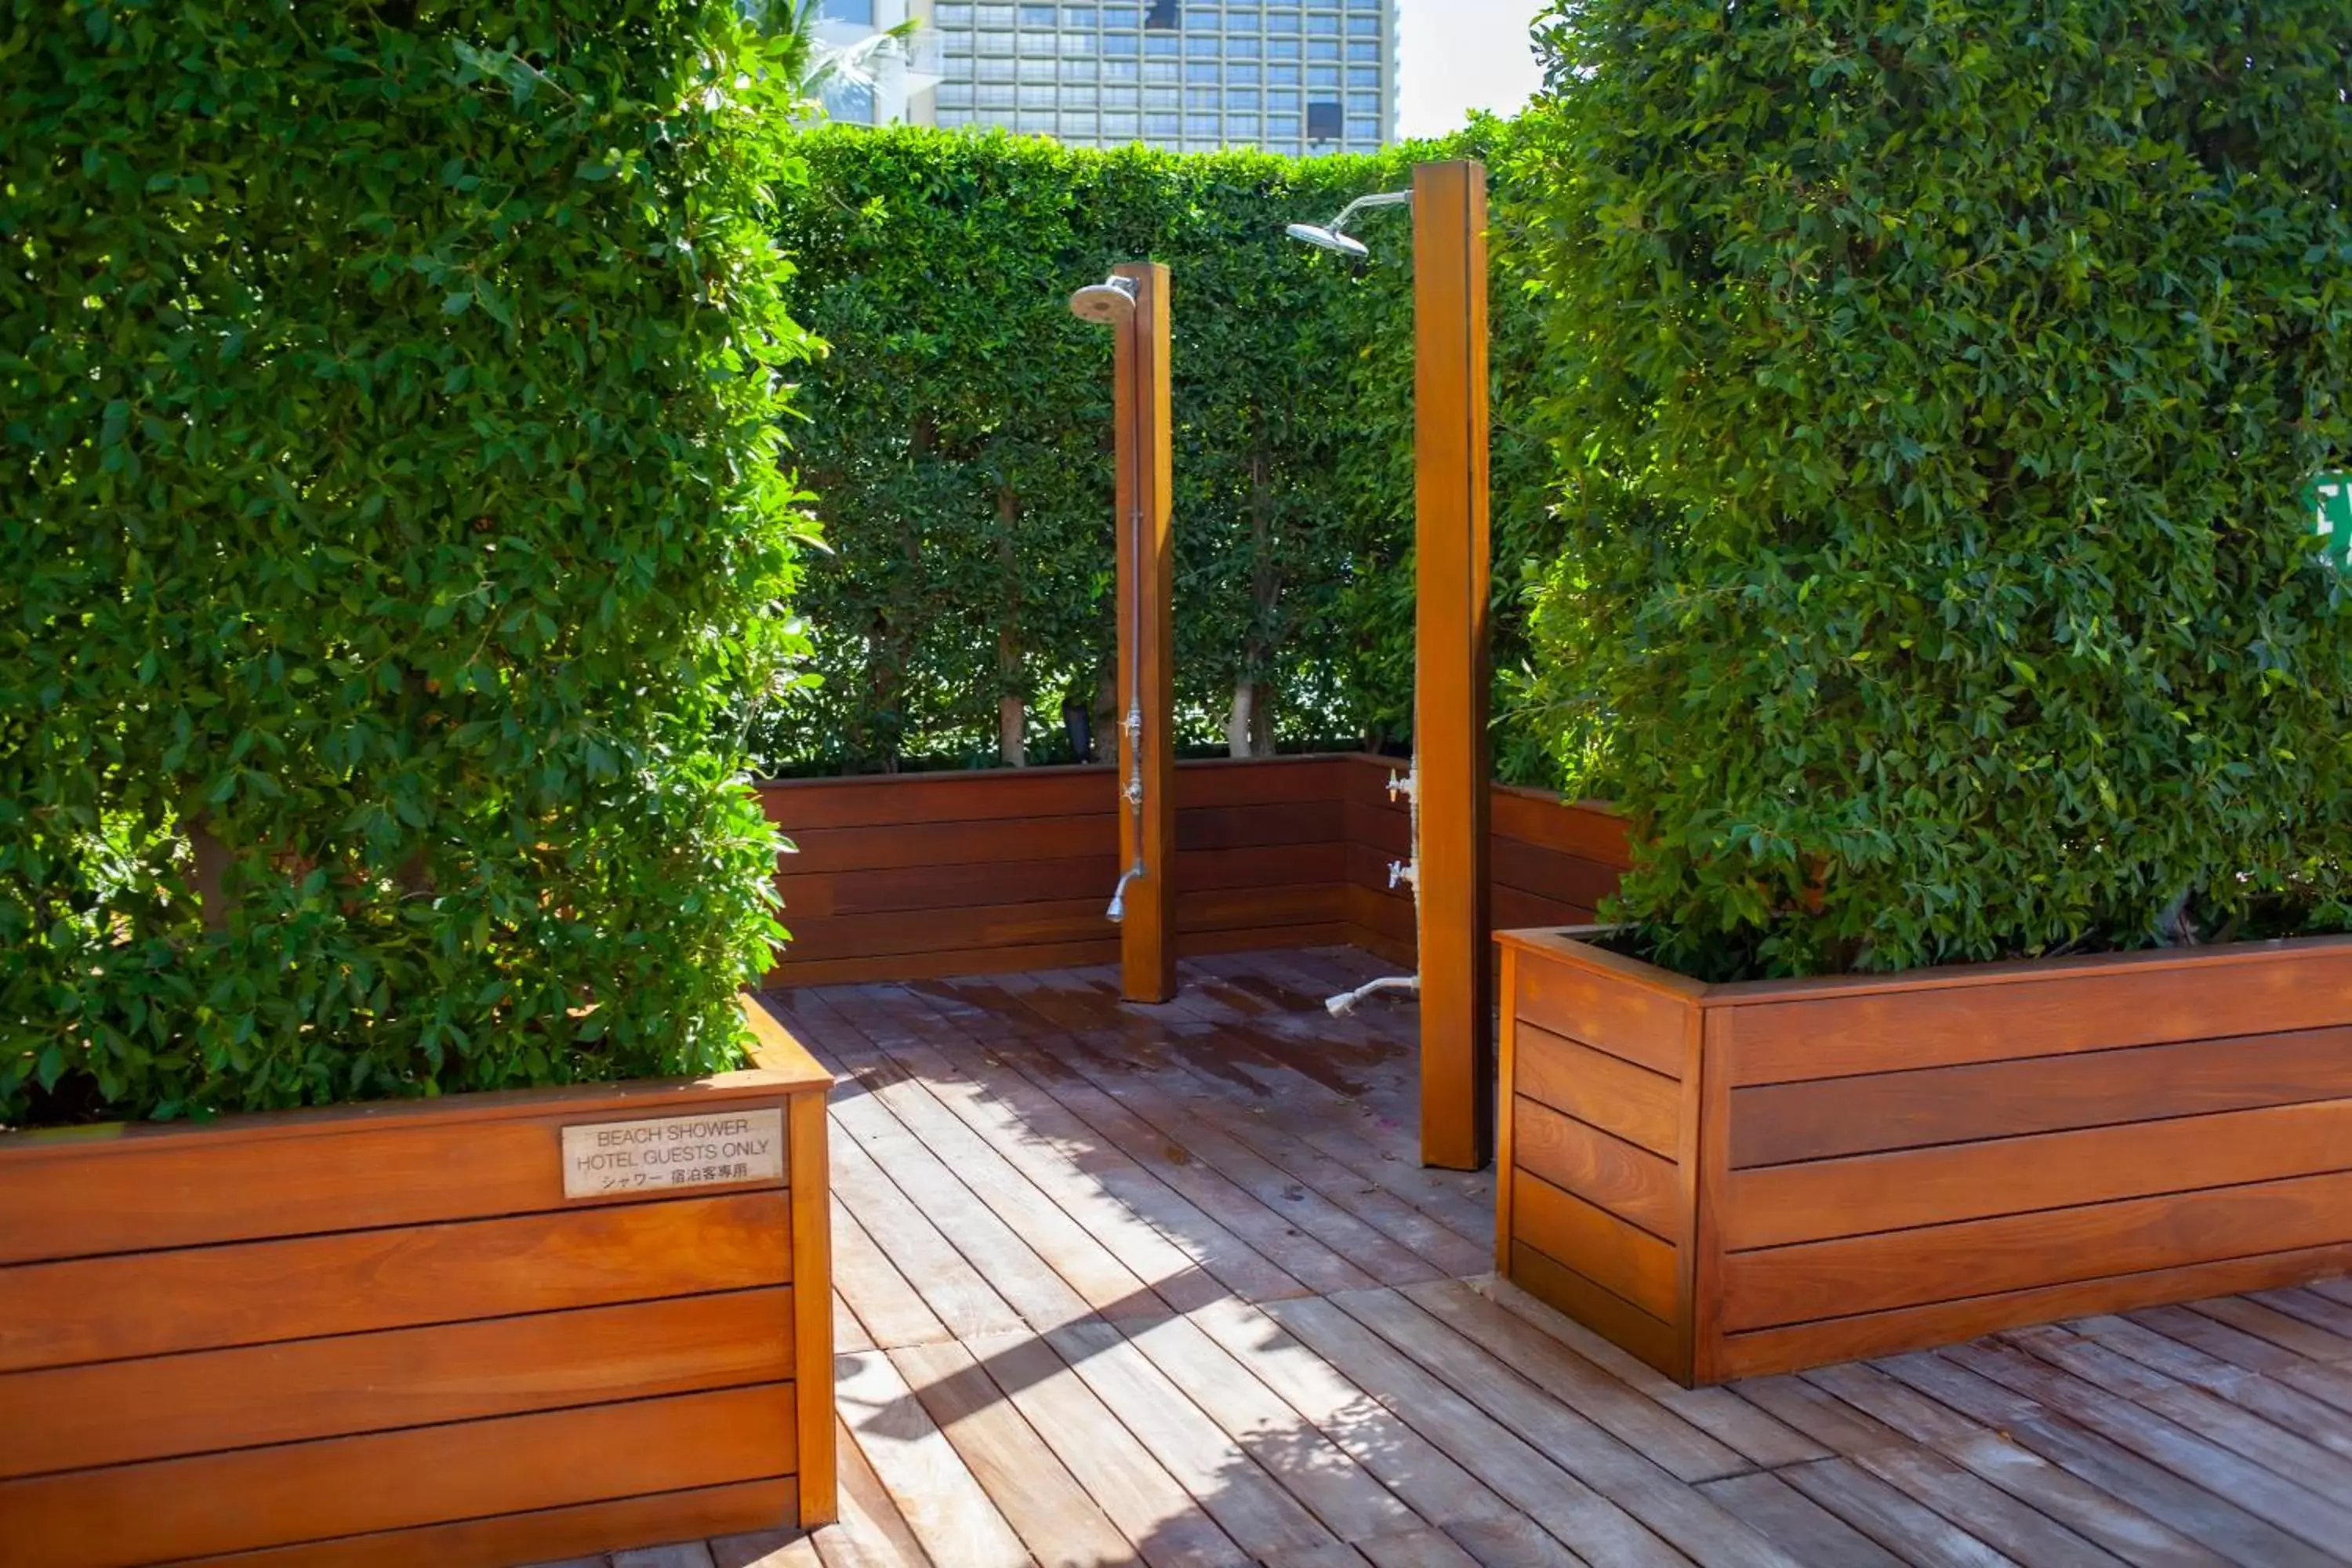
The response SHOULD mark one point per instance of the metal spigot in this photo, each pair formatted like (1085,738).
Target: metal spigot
(1401,784)
(1406,871)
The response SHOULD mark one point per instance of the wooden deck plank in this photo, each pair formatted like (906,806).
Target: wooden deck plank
(1423,1476)
(1231,1487)
(1147,1504)
(1346,1498)
(1670,1508)
(950,1289)
(871,1533)
(1046,1508)
(942,1504)
(1649,1428)
(1157,1231)
(1155,1097)
(1589,1524)
(1074,1254)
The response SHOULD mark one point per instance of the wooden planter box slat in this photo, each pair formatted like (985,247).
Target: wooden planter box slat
(1736,1180)
(382,1333)
(911,875)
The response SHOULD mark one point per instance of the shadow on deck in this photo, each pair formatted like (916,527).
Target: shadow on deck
(1168,1285)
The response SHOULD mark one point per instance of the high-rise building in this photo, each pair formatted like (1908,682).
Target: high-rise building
(1289,75)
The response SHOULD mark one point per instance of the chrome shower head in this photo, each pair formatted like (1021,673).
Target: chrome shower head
(1110,301)
(1334,236)
(1329,240)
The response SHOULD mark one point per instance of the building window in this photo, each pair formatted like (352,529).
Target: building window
(1241,49)
(1162,43)
(954,119)
(1322,76)
(1033,67)
(1122,16)
(996,43)
(1162,70)
(1282,127)
(1364,131)
(1200,70)
(952,16)
(995,70)
(1203,97)
(1322,122)
(1120,125)
(1363,27)
(1120,97)
(1080,124)
(1201,126)
(1121,44)
(860,12)
(1077,45)
(1288,101)
(996,15)
(1322,48)
(1160,124)
(1240,73)
(1363,75)
(1078,16)
(1159,17)
(1244,98)
(1323,26)
(1204,44)
(1041,124)
(955,45)
(1282,50)
(1283,75)
(1362,51)
(1038,16)
(955,95)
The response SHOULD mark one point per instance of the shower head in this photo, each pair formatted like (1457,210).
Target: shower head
(1110,301)
(1334,236)
(1328,239)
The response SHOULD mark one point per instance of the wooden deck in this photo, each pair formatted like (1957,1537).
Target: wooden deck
(1166,1285)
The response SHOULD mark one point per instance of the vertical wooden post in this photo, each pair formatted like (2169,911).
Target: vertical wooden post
(1147,742)
(1449,720)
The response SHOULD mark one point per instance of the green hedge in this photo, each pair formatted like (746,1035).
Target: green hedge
(956,432)
(389,514)
(1939,387)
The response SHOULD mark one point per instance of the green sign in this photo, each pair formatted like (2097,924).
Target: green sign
(2330,499)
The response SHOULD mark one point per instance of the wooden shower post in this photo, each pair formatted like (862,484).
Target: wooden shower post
(1147,741)
(1451,684)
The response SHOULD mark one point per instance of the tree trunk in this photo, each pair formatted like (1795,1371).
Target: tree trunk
(1012,731)
(1012,708)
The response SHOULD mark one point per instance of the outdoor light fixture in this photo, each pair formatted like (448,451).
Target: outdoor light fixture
(1334,236)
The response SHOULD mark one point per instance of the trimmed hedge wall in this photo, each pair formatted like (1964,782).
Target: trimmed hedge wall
(389,515)
(1938,390)
(957,432)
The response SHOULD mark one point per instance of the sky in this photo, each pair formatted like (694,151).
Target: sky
(1454,56)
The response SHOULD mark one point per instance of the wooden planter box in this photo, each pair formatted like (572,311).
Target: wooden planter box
(393,1333)
(1736,1180)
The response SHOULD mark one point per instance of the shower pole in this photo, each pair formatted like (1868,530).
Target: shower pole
(1450,654)
(1147,691)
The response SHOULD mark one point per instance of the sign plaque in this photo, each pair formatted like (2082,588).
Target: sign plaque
(674,1153)
(2329,496)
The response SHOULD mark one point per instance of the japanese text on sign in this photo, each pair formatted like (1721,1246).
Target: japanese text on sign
(670,1153)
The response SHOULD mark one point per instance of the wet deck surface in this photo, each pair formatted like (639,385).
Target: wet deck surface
(1168,1285)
